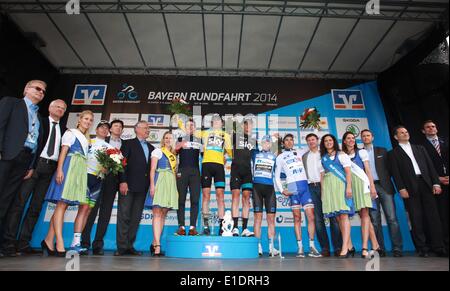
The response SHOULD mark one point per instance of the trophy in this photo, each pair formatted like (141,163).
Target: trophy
(227,224)
(213,219)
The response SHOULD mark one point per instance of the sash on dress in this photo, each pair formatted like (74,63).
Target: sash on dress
(82,139)
(362,175)
(171,157)
(329,165)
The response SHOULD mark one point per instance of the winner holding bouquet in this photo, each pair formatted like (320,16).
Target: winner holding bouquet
(102,159)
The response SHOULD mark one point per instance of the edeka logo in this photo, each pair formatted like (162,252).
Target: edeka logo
(89,95)
(127,94)
(347,99)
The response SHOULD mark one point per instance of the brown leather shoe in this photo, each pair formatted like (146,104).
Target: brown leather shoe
(193,231)
(181,231)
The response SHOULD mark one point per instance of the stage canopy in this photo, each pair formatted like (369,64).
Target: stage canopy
(315,38)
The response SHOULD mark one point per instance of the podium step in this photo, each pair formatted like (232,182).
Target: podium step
(212,247)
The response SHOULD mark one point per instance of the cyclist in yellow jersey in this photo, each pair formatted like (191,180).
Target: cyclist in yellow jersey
(216,142)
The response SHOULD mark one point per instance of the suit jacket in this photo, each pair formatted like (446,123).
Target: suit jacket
(403,172)
(382,167)
(440,162)
(14,128)
(46,127)
(137,171)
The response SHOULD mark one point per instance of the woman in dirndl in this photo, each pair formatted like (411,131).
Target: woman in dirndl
(69,186)
(163,193)
(337,189)
(364,191)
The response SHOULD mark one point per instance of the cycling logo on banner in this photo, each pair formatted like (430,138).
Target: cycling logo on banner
(127,94)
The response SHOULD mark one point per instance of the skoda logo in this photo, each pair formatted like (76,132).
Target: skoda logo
(353,129)
(153,136)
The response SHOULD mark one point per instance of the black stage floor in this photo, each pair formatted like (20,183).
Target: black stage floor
(410,262)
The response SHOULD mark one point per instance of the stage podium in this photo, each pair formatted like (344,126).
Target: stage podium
(212,247)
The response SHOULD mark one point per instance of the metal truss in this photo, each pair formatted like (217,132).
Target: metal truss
(390,10)
(221,72)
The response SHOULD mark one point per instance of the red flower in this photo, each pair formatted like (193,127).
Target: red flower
(306,113)
(124,162)
(112,151)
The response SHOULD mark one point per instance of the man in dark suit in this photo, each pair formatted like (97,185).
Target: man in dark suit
(20,131)
(134,184)
(105,203)
(38,184)
(437,149)
(378,160)
(417,182)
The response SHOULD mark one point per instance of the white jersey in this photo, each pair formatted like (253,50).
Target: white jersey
(92,163)
(290,163)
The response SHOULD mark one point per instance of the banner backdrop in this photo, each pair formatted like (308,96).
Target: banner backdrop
(278,105)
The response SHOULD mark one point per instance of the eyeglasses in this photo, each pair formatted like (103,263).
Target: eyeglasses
(39,89)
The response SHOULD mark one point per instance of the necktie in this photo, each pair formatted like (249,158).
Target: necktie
(437,146)
(51,143)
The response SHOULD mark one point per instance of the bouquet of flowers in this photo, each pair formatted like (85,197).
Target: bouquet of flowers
(180,106)
(310,119)
(111,160)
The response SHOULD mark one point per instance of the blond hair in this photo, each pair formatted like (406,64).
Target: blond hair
(32,82)
(172,148)
(82,114)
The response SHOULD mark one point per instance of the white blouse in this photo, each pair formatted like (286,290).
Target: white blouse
(363,154)
(157,153)
(343,158)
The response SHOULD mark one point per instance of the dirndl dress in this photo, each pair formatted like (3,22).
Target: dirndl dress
(334,202)
(166,192)
(73,189)
(360,187)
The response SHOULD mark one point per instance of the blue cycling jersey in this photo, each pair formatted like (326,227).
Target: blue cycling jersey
(263,166)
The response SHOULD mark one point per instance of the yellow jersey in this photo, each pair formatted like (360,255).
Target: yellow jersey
(215,143)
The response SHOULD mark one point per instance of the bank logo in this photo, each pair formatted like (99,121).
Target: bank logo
(347,99)
(155,120)
(89,95)
(212,251)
